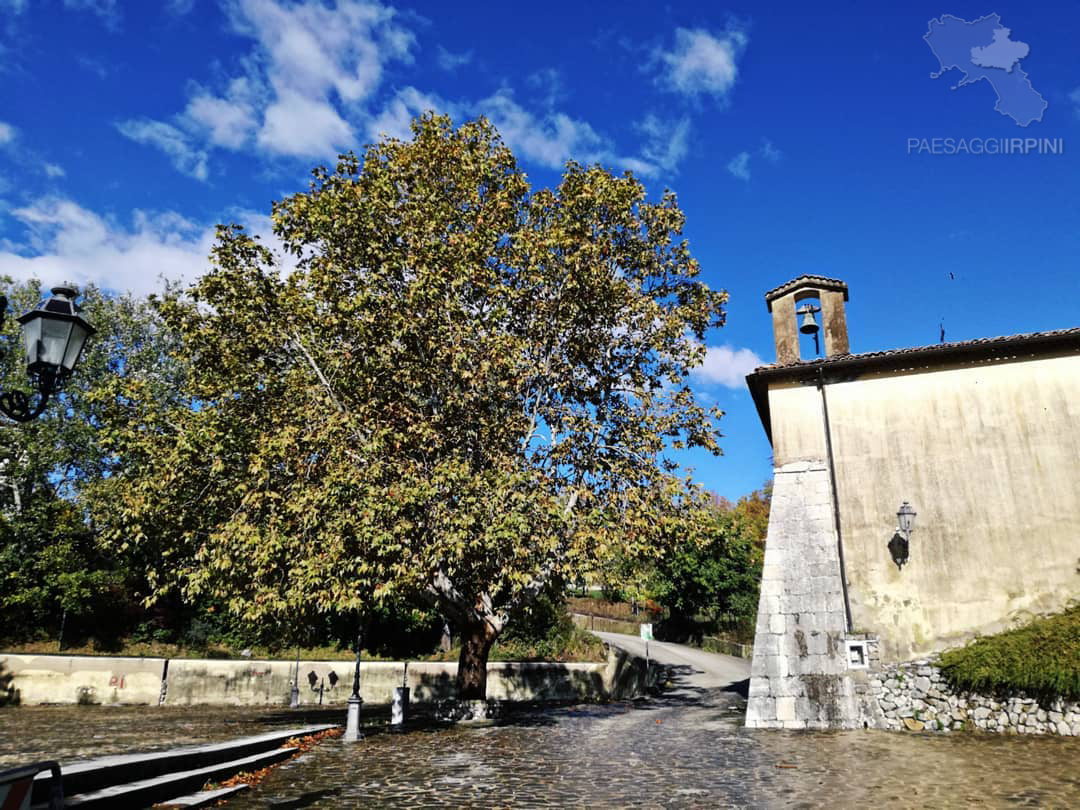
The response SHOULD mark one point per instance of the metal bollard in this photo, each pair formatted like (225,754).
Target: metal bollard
(399,709)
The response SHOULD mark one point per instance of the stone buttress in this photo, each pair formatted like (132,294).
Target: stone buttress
(800,673)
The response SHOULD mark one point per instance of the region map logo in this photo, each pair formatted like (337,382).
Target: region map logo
(983,50)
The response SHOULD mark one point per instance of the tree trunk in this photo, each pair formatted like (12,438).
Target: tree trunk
(476,641)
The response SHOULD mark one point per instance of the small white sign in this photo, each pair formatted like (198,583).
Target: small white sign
(646,632)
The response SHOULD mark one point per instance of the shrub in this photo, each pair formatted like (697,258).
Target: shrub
(1041,658)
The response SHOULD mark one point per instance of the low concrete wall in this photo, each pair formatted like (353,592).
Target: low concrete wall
(42,679)
(36,679)
(726,647)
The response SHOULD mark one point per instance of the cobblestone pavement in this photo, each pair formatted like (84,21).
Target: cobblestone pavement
(685,749)
(670,753)
(68,733)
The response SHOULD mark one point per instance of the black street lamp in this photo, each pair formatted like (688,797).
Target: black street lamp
(352,715)
(54,334)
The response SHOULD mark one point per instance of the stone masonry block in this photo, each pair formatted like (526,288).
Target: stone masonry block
(773,572)
(759,687)
(772,587)
(766,644)
(760,709)
(789,687)
(785,709)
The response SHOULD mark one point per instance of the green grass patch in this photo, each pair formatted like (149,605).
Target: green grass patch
(1041,658)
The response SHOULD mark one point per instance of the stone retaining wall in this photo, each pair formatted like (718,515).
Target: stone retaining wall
(916,697)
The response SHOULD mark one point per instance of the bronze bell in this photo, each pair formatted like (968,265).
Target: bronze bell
(809,325)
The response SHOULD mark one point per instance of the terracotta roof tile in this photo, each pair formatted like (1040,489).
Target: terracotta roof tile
(933,349)
(823,281)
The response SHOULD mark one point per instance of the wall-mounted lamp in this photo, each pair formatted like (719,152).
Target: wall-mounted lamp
(899,546)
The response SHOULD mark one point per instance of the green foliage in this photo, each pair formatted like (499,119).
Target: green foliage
(52,572)
(1041,658)
(715,572)
(542,630)
(464,389)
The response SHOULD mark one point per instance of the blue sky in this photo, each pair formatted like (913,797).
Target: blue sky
(128,129)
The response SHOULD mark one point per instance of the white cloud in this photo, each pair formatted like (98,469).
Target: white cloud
(66,242)
(667,141)
(549,83)
(179,7)
(769,152)
(313,67)
(99,69)
(170,140)
(310,85)
(448,60)
(54,170)
(106,9)
(550,139)
(313,58)
(396,117)
(701,63)
(739,166)
(7,133)
(1074,97)
(725,365)
(228,121)
(300,126)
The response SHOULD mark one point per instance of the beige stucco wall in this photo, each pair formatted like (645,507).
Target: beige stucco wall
(989,456)
(797,429)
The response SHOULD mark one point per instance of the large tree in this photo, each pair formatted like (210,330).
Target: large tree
(457,386)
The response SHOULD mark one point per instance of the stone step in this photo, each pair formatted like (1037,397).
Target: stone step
(204,798)
(94,774)
(146,792)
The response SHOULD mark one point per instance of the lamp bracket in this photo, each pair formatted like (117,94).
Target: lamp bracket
(16,404)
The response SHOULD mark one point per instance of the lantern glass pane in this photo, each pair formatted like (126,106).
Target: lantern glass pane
(32,339)
(54,341)
(906,516)
(76,341)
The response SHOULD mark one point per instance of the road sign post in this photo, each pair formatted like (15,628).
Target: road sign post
(646,636)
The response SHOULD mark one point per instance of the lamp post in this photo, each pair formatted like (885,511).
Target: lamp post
(294,693)
(54,334)
(352,716)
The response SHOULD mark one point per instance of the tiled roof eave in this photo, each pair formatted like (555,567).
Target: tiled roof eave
(917,354)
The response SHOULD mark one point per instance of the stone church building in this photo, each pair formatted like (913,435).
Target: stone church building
(977,444)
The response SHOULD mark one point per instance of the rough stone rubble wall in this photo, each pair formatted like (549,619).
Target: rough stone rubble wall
(799,677)
(916,697)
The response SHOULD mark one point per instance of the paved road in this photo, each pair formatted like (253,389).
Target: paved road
(692,667)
